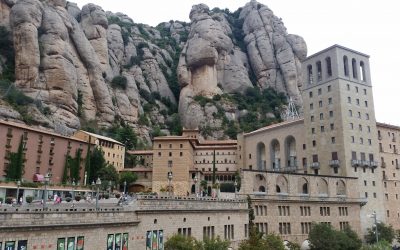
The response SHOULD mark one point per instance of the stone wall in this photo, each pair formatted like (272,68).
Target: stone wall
(42,228)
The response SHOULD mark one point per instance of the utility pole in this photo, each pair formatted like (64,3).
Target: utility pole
(376,226)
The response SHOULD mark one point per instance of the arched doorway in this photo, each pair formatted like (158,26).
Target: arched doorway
(261,189)
(193,190)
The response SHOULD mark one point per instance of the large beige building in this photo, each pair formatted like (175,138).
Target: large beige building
(389,173)
(114,151)
(336,146)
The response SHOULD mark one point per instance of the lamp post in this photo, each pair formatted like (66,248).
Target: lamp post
(73,190)
(93,187)
(124,188)
(169,176)
(376,226)
(98,183)
(195,184)
(109,188)
(235,184)
(169,183)
(46,181)
(217,189)
(18,185)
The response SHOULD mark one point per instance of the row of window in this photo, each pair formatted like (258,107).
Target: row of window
(310,73)
(390,135)
(304,211)
(216,153)
(357,102)
(285,227)
(224,161)
(321,116)
(320,103)
(170,145)
(358,114)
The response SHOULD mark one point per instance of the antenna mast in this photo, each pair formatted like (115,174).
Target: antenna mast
(291,111)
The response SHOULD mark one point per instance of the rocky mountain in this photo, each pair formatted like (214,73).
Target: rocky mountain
(73,68)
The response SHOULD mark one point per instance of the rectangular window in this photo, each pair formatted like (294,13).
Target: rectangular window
(349,99)
(329,88)
(329,100)
(348,86)
(322,129)
(331,113)
(319,91)
(320,104)
(310,94)
(311,106)
(332,126)
(333,140)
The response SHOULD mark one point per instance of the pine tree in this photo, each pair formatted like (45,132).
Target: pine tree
(15,168)
(87,161)
(214,169)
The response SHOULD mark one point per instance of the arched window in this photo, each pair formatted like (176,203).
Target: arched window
(261,189)
(362,71)
(305,188)
(310,74)
(354,68)
(290,152)
(340,188)
(261,159)
(346,66)
(319,71)
(322,186)
(275,155)
(281,184)
(328,66)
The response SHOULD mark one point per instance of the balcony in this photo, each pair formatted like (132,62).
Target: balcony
(365,163)
(334,163)
(355,163)
(315,165)
(383,165)
(374,164)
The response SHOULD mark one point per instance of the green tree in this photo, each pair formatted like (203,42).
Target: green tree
(384,232)
(15,168)
(215,244)
(97,162)
(129,177)
(180,242)
(381,245)
(108,173)
(324,237)
(127,136)
(293,246)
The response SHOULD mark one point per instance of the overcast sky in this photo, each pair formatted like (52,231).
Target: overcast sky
(367,26)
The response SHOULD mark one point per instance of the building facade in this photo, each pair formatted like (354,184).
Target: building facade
(145,224)
(114,151)
(337,137)
(388,138)
(43,151)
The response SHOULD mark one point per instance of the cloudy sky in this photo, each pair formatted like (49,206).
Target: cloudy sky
(367,26)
